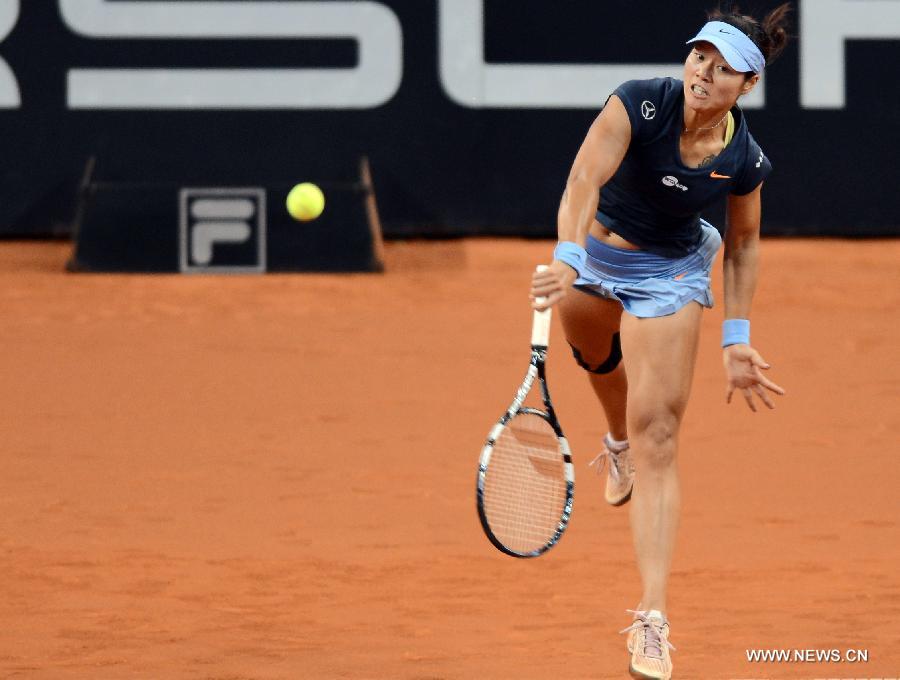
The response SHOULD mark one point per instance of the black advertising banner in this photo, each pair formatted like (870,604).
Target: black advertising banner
(469,111)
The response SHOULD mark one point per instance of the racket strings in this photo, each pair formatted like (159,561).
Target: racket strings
(525,486)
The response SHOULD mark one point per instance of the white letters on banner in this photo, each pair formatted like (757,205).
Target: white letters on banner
(371,83)
(465,76)
(826,25)
(471,82)
(9,87)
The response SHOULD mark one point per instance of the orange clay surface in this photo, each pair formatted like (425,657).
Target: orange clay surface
(273,476)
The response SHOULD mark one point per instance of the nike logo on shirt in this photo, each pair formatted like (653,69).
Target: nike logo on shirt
(716,175)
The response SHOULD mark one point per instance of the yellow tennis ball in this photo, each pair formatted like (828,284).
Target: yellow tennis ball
(305,202)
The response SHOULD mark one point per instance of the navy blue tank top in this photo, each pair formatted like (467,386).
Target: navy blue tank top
(654,200)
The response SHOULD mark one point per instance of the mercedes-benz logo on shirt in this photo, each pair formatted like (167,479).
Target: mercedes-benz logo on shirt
(648,110)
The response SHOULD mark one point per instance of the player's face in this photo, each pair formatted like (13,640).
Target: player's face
(710,83)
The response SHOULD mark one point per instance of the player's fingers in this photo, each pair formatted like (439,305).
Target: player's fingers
(763,397)
(558,295)
(543,279)
(539,284)
(541,305)
(543,290)
(546,301)
(748,396)
(768,384)
(757,360)
(546,278)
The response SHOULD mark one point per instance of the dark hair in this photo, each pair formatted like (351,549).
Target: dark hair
(770,34)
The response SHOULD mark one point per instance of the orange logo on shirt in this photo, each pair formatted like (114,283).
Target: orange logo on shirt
(716,175)
(680,276)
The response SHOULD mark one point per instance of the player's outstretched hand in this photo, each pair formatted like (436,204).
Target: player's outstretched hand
(743,368)
(552,284)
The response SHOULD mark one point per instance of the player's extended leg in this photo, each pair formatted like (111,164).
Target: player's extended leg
(591,324)
(659,356)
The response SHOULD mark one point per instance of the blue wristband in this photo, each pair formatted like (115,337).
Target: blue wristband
(735,332)
(572,254)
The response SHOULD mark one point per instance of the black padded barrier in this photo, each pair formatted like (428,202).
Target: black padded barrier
(462,138)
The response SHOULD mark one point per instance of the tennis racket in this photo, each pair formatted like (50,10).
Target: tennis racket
(526,481)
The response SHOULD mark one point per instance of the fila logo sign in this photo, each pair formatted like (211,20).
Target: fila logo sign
(465,76)
(222,230)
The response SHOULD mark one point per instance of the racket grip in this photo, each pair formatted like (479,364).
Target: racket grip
(540,325)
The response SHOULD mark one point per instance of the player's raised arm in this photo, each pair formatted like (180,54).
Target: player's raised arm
(597,160)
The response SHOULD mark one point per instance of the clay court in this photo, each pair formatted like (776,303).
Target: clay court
(272,477)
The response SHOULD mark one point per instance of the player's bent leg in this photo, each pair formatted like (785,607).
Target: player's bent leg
(591,324)
(659,356)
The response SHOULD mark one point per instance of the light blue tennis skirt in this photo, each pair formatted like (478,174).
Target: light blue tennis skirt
(651,285)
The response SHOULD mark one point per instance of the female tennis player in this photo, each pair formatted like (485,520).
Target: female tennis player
(661,151)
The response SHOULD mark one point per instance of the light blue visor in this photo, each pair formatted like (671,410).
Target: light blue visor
(739,51)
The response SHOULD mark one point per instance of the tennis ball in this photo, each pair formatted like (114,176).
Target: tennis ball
(305,202)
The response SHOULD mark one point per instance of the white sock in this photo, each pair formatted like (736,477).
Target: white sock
(615,445)
(655,614)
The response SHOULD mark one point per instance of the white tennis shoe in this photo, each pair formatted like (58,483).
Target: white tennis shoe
(648,644)
(620,477)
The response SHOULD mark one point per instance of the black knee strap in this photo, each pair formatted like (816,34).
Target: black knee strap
(608,366)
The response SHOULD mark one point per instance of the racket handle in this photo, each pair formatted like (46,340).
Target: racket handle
(540,325)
